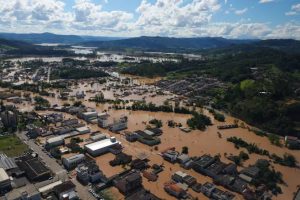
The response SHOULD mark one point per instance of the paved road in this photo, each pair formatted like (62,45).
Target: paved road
(60,172)
(48,75)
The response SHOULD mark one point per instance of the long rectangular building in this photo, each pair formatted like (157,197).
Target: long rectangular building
(34,169)
(73,161)
(101,147)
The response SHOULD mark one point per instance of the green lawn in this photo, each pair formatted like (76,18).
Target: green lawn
(12,145)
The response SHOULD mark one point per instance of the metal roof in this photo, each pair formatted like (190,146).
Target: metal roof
(3,175)
(7,163)
(101,144)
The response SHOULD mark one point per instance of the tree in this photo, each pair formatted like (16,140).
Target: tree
(244,156)
(185,150)
(199,121)
(99,98)
(156,122)
(77,103)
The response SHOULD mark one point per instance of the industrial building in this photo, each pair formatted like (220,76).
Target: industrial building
(9,119)
(27,192)
(73,161)
(129,183)
(101,147)
(65,191)
(103,120)
(83,130)
(7,163)
(119,125)
(88,173)
(59,140)
(55,141)
(89,116)
(5,184)
(34,169)
(98,136)
(69,122)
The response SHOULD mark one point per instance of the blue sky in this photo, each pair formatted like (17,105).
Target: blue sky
(178,18)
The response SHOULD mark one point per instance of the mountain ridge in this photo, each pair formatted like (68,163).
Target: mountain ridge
(39,38)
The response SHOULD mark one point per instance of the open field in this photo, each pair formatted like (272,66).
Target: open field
(12,146)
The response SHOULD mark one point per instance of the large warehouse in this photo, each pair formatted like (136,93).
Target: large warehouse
(101,147)
(34,169)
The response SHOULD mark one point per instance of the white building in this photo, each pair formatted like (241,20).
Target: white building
(4,180)
(118,125)
(60,140)
(103,122)
(73,161)
(83,130)
(101,147)
(55,141)
(98,137)
(87,116)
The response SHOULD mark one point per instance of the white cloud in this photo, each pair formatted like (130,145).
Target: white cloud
(241,12)
(266,1)
(173,13)
(22,13)
(295,9)
(179,18)
(287,30)
(88,15)
(291,13)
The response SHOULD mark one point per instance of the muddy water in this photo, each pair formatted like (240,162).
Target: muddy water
(199,143)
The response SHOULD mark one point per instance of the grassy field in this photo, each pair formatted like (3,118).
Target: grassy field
(12,145)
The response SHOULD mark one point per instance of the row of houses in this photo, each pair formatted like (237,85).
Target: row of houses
(173,156)
(222,174)
(60,139)
(181,181)
(65,127)
(130,184)
(148,136)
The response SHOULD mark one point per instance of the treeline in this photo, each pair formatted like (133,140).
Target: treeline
(149,69)
(287,159)
(76,73)
(154,108)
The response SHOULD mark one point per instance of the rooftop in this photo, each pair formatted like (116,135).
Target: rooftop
(80,129)
(142,194)
(297,196)
(28,189)
(6,162)
(101,144)
(50,186)
(204,161)
(32,166)
(66,186)
(3,175)
(75,157)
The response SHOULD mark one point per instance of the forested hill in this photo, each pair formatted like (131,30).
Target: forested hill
(168,43)
(38,38)
(20,48)
(11,44)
